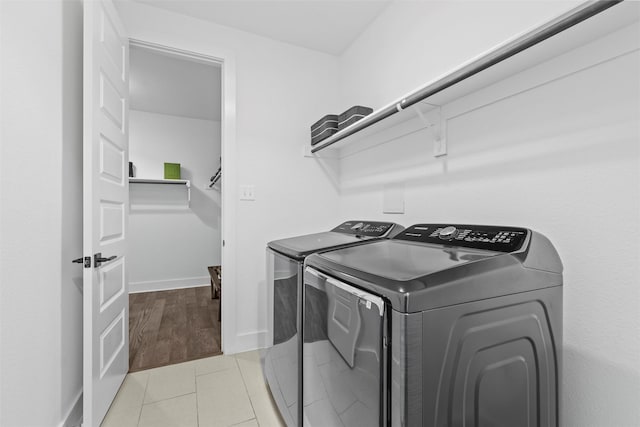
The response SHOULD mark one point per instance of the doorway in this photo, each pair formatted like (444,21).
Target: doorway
(175,215)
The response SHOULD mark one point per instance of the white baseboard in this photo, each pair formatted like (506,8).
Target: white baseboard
(73,417)
(163,285)
(246,341)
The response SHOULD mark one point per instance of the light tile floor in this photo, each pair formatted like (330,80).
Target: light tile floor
(211,392)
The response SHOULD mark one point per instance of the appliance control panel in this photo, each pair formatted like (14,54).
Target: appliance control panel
(365,228)
(492,238)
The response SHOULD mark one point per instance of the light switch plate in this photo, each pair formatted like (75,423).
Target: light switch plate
(248,192)
(393,198)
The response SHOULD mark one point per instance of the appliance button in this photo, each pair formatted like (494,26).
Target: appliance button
(447,233)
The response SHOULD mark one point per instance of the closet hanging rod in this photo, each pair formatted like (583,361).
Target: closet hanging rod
(525,41)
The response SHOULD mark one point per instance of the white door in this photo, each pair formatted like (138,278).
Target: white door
(105,204)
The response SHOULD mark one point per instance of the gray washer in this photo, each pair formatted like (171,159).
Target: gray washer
(441,326)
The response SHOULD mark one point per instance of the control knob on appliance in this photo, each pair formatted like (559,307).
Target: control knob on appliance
(358,226)
(448,233)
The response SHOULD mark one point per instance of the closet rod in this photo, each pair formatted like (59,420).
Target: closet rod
(553,27)
(571,18)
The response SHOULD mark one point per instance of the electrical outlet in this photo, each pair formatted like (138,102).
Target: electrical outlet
(248,192)
(440,147)
(393,198)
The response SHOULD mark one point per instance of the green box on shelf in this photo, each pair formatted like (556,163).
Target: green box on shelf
(172,171)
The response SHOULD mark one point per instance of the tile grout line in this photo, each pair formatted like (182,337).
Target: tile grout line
(213,372)
(242,422)
(235,366)
(168,398)
(255,417)
(146,386)
(172,397)
(195,385)
(244,383)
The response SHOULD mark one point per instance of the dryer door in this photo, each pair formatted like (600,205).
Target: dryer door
(343,354)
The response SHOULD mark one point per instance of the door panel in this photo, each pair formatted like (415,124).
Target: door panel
(112,340)
(110,38)
(112,221)
(111,161)
(105,206)
(111,101)
(112,280)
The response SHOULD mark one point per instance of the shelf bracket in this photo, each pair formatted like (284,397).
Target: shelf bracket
(306,150)
(433,120)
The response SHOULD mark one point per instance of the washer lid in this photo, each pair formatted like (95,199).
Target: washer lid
(404,261)
(346,234)
(414,276)
(301,246)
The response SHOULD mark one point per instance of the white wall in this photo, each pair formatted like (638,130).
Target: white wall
(412,42)
(558,152)
(280,91)
(170,242)
(573,153)
(40,215)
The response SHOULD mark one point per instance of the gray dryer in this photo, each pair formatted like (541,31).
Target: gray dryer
(285,257)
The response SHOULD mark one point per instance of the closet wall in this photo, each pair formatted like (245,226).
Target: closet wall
(555,149)
(173,241)
(281,89)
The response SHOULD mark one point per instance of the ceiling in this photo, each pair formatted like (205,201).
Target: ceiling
(328,26)
(165,84)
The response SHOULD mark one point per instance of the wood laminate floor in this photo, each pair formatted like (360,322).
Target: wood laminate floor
(174,326)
